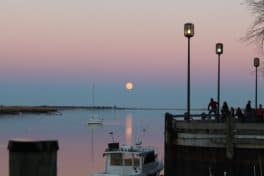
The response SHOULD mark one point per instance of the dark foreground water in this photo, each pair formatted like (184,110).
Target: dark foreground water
(81,145)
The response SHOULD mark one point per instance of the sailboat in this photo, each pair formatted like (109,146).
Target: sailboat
(94,119)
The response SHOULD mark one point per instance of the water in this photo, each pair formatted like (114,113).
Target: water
(82,145)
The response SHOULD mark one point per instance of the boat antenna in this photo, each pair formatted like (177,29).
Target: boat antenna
(112,136)
(143,131)
(139,141)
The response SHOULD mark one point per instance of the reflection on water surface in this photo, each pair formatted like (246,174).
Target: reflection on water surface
(82,145)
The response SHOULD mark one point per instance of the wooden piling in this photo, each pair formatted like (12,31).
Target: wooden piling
(32,158)
(168,143)
(229,136)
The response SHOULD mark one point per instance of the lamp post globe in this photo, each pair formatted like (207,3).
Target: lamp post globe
(256,62)
(188,30)
(219,48)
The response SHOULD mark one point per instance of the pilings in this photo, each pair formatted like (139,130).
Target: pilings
(32,158)
(230,133)
(168,145)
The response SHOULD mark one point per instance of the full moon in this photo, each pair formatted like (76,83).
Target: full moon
(129,86)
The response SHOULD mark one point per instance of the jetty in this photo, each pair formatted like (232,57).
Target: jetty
(14,110)
(26,109)
(213,148)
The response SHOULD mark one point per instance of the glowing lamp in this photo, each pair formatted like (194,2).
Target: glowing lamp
(188,30)
(219,48)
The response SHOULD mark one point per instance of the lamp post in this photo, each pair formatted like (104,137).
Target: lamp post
(256,64)
(188,32)
(219,50)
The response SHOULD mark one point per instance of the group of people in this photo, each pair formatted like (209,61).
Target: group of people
(249,113)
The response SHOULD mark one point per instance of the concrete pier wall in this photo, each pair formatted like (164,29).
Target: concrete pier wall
(213,148)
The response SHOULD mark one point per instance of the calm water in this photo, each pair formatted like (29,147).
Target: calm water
(81,145)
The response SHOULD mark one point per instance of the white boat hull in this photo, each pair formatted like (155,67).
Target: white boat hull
(95,121)
(153,169)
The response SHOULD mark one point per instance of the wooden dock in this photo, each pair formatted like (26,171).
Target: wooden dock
(209,147)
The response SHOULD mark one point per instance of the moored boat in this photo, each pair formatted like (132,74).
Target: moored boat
(133,160)
(94,120)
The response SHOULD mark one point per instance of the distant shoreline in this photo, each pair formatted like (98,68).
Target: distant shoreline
(45,109)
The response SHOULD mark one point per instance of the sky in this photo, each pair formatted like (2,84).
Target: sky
(53,51)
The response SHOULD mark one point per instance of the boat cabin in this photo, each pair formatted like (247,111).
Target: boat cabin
(128,160)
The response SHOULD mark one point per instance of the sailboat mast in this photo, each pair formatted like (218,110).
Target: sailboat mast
(93,95)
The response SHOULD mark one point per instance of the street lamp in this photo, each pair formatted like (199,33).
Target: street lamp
(218,50)
(256,64)
(188,32)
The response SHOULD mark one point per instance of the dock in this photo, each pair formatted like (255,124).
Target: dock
(212,148)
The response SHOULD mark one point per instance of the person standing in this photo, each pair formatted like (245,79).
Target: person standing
(212,107)
(225,111)
(248,111)
(248,107)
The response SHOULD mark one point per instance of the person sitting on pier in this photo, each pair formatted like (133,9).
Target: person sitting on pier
(212,107)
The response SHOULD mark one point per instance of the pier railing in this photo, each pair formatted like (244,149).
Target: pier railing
(216,134)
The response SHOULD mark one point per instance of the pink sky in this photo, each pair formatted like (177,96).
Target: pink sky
(123,40)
